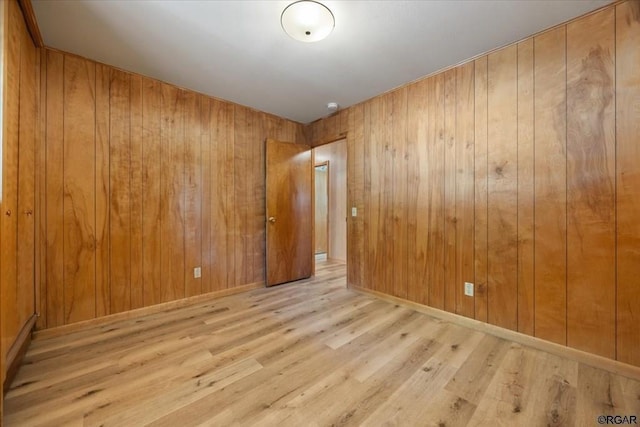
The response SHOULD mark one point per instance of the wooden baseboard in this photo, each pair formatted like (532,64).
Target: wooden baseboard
(144,311)
(590,359)
(17,352)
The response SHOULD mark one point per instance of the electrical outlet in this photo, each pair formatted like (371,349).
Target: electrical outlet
(468,289)
(354,211)
(197,273)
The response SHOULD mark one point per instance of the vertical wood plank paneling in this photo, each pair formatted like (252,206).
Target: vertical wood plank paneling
(502,184)
(257,207)
(436,247)
(41,194)
(377,259)
(418,193)
(465,127)
(55,190)
(221,133)
(368,151)
(102,192)
(10,169)
(481,191)
(590,184)
(120,190)
(385,130)
(628,180)
(230,200)
(355,176)
(153,176)
(136,197)
(483,152)
(399,212)
(192,193)
(171,194)
(450,190)
(206,221)
(550,186)
(79,192)
(241,196)
(26,179)
(525,188)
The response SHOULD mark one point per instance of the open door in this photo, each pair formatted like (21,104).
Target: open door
(289,229)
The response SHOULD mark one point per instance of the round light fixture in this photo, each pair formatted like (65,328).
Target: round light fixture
(307,21)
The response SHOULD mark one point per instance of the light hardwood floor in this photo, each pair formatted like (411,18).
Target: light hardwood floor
(303,354)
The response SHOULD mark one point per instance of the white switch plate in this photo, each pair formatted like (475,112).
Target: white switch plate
(197,273)
(354,211)
(468,289)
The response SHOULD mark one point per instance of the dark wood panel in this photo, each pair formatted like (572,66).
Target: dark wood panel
(550,186)
(356,189)
(465,159)
(368,150)
(206,221)
(10,173)
(152,178)
(171,194)
(450,190)
(55,192)
(241,196)
(399,185)
(418,192)
(591,224)
(79,191)
(25,209)
(120,190)
(192,194)
(385,247)
(102,192)
(436,267)
(41,196)
(376,217)
(481,191)
(222,178)
(257,207)
(628,180)
(525,188)
(136,196)
(502,168)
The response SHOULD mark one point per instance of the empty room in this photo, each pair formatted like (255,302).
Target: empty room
(319,213)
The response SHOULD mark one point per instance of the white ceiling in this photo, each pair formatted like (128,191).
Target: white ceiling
(237,50)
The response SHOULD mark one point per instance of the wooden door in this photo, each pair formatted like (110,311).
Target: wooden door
(289,251)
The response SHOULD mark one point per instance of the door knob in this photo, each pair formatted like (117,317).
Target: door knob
(8,212)
(28,212)
(272,219)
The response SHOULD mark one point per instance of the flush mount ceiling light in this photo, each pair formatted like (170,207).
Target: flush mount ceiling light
(307,21)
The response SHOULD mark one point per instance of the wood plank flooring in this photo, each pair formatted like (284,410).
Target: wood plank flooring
(303,354)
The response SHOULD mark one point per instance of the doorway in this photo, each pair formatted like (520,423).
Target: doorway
(321,182)
(330,202)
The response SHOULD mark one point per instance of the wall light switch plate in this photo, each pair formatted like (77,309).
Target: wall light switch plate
(468,289)
(197,273)
(354,211)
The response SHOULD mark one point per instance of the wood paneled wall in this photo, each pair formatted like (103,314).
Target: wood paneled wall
(518,171)
(145,181)
(20,63)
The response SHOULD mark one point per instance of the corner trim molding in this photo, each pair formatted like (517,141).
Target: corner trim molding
(31,21)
